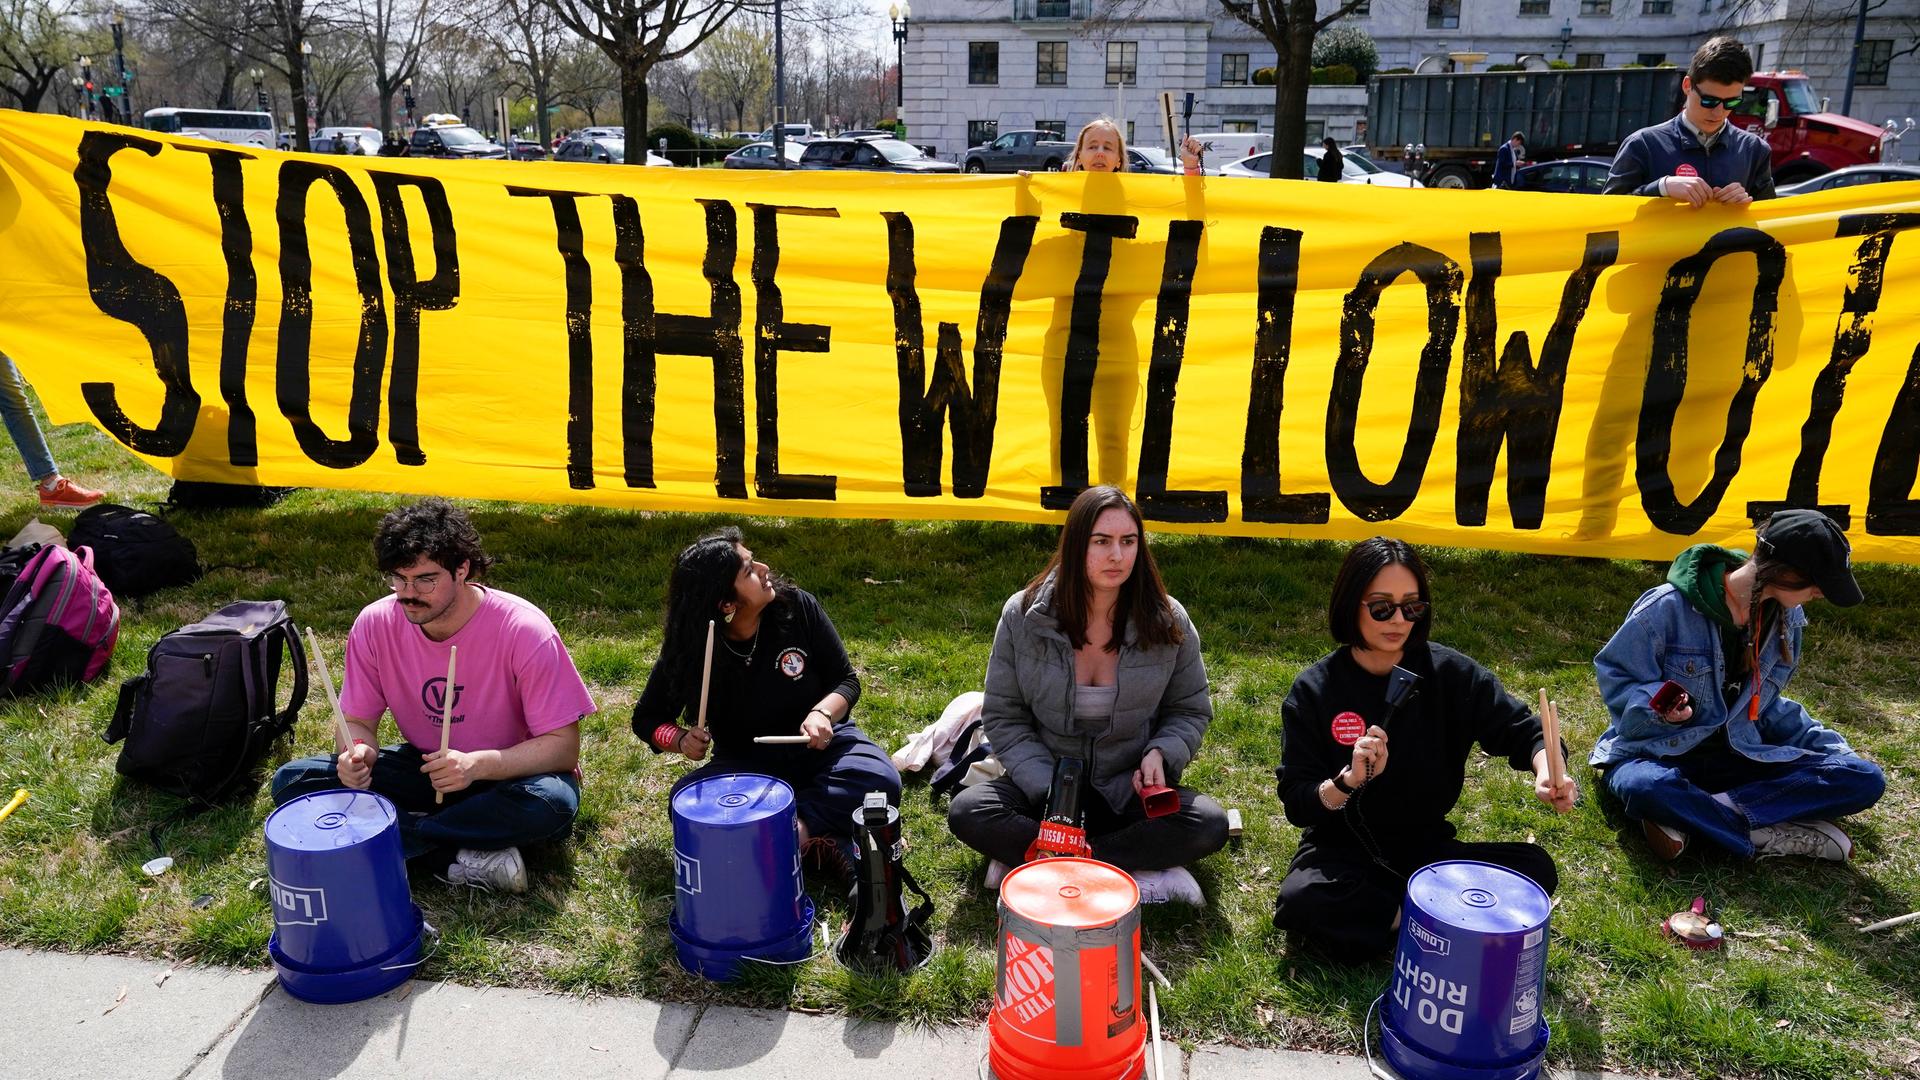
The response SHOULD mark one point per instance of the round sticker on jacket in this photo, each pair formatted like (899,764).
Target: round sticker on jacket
(1685,170)
(1348,727)
(793,663)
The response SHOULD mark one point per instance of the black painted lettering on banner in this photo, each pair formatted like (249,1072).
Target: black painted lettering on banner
(926,403)
(716,335)
(1516,402)
(1163,379)
(1891,508)
(125,289)
(1667,377)
(570,239)
(1083,349)
(411,296)
(1260,496)
(243,290)
(772,336)
(638,369)
(293,374)
(1852,335)
(1441,277)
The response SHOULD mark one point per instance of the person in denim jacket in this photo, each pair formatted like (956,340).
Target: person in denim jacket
(1732,759)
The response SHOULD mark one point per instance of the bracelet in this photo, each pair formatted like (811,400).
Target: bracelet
(1344,789)
(822,712)
(667,736)
(1321,792)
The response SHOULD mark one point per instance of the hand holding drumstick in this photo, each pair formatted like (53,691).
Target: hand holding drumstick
(1551,784)
(354,766)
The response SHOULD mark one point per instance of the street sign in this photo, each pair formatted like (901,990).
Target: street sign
(113,91)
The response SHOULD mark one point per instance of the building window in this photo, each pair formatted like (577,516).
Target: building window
(1051,66)
(1123,63)
(1535,7)
(1589,60)
(983,63)
(1248,126)
(1656,7)
(1361,10)
(1233,69)
(1596,7)
(1051,9)
(982,132)
(1316,130)
(1650,59)
(1759,50)
(1055,128)
(1443,14)
(1875,56)
(1129,133)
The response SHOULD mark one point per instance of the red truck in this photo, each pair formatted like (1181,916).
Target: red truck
(1460,120)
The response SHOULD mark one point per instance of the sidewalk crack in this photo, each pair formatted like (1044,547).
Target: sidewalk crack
(693,1026)
(208,1049)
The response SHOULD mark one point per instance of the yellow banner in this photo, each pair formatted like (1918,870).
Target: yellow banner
(1554,373)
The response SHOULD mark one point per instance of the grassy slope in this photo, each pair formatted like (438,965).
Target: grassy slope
(1799,993)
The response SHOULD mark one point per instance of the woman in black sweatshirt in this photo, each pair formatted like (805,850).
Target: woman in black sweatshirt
(1373,816)
(778,669)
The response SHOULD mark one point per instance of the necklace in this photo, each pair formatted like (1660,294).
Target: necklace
(753,646)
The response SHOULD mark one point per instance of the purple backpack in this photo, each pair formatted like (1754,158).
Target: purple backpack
(58,622)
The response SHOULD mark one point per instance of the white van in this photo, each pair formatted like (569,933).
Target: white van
(1226,147)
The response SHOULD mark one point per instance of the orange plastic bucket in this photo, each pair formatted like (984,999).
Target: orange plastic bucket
(1066,1002)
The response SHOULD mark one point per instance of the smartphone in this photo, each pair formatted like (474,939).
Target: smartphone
(1669,697)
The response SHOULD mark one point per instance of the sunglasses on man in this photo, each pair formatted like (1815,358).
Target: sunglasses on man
(1708,101)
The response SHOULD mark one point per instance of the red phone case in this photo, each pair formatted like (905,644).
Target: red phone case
(1668,696)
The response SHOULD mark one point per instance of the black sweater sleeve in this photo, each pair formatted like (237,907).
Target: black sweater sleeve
(829,652)
(1309,755)
(1503,726)
(656,706)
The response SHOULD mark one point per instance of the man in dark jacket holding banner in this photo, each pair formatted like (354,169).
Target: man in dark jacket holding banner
(1700,157)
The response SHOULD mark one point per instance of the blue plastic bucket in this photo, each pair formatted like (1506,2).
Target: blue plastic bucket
(736,875)
(345,926)
(1469,976)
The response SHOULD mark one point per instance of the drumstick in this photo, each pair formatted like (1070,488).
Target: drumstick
(1898,920)
(446,714)
(781,740)
(1550,732)
(19,797)
(706,678)
(347,740)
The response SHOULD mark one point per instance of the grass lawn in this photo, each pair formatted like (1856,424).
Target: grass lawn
(1797,993)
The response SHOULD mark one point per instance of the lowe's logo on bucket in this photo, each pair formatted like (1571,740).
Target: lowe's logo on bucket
(1430,941)
(686,873)
(298,907)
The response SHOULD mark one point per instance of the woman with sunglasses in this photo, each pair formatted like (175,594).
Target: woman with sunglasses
(1377,736)
(1704,741)
(1093,660)
(778,669)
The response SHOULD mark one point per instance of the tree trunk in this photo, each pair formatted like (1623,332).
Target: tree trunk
(297,88)
(542,121)
(1294,71)
(386,106)
(633,112)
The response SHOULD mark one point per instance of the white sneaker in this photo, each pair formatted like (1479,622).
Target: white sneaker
(1815,839)
(504,870)
(1169,886)
(995,871)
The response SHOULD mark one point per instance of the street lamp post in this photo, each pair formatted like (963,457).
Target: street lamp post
(306,76)
(259,90)
(901,14)
(406,99)
(1566,36)
(779,89)
(120,66)
(86,82)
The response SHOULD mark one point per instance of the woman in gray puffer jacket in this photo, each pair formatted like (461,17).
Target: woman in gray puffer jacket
(1093,660)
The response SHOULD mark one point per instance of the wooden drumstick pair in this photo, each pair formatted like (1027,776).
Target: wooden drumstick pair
(340,718)
(706,680)
(1550,731)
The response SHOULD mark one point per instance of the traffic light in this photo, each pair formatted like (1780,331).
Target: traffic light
(264,106)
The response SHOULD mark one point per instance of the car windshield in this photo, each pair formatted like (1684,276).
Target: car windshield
(1366,164)
(895,150)
(461,136)
(1154,155)
(615,148)
(1800,97)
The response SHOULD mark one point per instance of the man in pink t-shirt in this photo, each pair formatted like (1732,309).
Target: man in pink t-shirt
(510,774)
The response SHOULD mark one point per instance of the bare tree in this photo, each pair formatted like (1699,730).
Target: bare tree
(270,31)
(637,34)
(736,66)
(585,80)
(1289,26)
(677,84)
(36,45)
(459,70)
(532,41)
(389,34)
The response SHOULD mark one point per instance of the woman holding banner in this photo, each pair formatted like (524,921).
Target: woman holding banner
(1094,661)
(778,671)
(1372,818)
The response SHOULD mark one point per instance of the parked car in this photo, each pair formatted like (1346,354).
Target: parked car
(452,141)
(1033,149)
(1221,148)
(802,132)
(1852,176)
(1351,171)
(603,131)
(759,155)
(346,140)
(605,150)
(528,150)
(864,133)
(1581,175)
(876,154)
(747,135)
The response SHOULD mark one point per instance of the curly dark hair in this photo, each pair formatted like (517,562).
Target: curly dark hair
(702,580)
(431,528)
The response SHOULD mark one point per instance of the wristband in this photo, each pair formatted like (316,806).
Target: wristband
(667,736)
(1342,786)
(822,712)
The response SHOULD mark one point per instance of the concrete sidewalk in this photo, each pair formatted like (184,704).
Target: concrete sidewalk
(110,1018)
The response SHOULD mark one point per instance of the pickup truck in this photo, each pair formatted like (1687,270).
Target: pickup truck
(1034,150)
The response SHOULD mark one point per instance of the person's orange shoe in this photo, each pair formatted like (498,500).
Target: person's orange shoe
(64,494)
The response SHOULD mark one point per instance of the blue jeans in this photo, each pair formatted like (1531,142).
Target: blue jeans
(1678,792)
(487,816)
(18,416)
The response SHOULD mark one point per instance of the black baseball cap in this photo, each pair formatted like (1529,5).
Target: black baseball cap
(1811,543)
